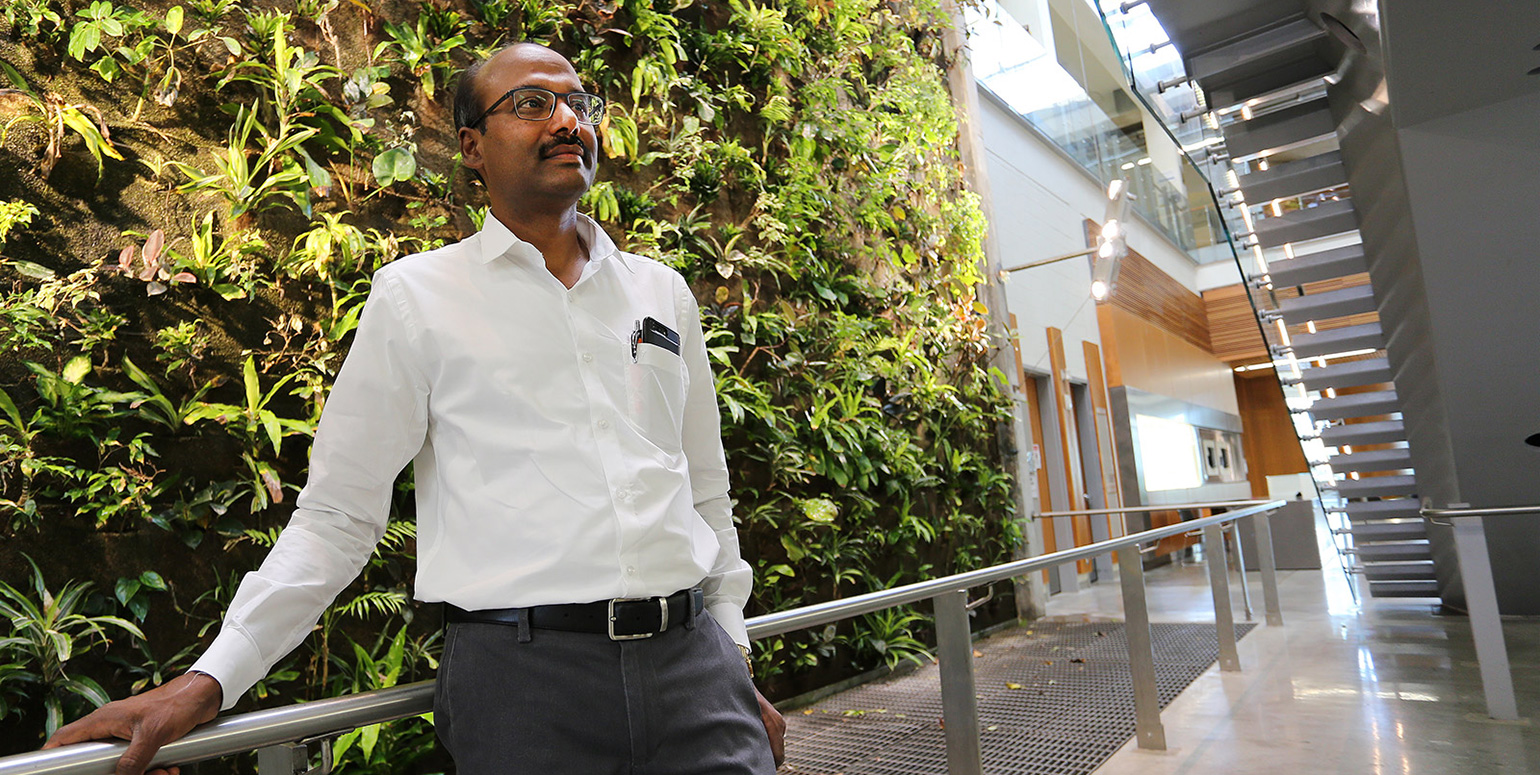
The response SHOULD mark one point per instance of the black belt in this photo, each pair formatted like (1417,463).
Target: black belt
(624,618)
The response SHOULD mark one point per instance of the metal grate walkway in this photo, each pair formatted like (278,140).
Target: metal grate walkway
(1054,697)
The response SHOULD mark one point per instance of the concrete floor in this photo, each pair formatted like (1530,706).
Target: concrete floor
(1381,686)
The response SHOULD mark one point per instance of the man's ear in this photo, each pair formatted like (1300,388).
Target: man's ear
(470,149)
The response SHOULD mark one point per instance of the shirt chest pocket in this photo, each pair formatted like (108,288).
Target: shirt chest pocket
(655,392)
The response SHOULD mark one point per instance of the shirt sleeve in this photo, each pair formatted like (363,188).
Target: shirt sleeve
(727,586)
(374,422)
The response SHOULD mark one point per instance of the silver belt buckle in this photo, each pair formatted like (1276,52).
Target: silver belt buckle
(662,617)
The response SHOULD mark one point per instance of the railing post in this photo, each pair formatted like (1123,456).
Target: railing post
(1148,730)
(1219,579)
(959,703)
(1263,530)
(293,759)
(1470,545)
(1240,564)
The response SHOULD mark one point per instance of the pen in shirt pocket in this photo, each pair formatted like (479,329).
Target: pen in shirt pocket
(651,331)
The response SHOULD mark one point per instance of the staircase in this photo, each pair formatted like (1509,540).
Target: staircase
(1263,67)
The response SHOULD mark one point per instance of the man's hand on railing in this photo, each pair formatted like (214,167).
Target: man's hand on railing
(148,721)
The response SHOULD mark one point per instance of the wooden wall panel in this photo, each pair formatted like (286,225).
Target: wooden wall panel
(1232,326)
(1068,441)
(1044,497)
(1157,361)
(1267,433)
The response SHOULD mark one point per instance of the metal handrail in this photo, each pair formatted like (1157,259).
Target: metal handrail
(1154,507)
(1492,511)
(260,729)
(844,608)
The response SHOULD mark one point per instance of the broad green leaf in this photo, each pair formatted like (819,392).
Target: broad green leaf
(174,20)
(394,165)
(83,38)
(106,67)
(29,269)
(77,369)
(821,510)
(794,552)
(343,742)
(152,580)
(125,589)
(371,735)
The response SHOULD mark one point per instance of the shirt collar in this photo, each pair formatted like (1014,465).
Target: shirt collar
(497,241)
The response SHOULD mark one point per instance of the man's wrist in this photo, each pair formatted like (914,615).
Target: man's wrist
(207,685)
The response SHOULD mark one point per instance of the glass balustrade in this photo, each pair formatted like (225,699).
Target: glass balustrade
(1101,80)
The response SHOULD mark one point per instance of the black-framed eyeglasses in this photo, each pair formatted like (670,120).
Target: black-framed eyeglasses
(533,103)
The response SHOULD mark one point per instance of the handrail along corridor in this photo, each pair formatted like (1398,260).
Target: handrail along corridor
(283,737)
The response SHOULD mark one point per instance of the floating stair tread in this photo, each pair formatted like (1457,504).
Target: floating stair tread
(1258,50)
(1390,530)
(1373,460)
(1366,510)
(1377,487)
(1315,267)
(1260,62)
(1364,336)
(1419,588)
(1280,129)
(1322,220)
(1342,407)
(1369,371)
(1408,570)
(1382,432)
(1394,550)
(1291,179)
(1328,304)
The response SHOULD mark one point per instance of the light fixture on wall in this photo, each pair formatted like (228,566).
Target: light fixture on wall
(1111,245)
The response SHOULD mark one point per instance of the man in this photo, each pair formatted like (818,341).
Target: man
(555,397)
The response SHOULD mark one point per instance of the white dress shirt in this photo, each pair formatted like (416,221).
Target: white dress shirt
(552,464)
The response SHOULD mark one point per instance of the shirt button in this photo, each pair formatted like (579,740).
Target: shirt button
(588,357)
(604,424)
(630,570)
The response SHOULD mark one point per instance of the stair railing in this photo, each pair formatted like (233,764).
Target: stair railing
(1195,127)
(1470,544)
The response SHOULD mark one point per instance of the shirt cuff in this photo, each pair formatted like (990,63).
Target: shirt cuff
(730,617)
(232,660)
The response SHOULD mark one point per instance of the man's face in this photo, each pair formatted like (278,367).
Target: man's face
(526,163)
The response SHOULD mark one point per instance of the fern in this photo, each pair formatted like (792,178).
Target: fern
(374,603)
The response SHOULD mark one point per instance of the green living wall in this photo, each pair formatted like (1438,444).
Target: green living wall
(193,198)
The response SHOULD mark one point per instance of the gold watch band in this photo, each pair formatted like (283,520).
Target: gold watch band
(747,660)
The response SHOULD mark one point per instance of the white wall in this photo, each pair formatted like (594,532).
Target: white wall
(1041,201)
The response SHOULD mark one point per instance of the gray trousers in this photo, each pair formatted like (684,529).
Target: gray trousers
(678,703)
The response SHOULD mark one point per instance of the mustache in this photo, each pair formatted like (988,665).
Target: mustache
(558,145)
